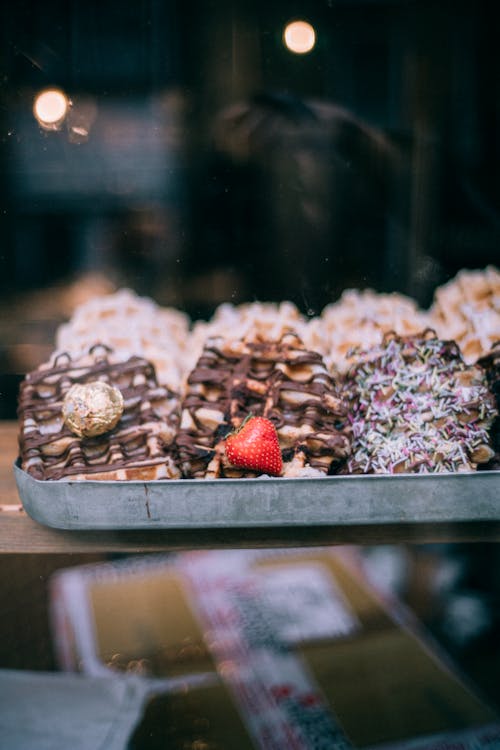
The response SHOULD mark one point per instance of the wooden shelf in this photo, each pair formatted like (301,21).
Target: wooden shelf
(20,534)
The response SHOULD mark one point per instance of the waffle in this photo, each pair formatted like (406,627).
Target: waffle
(131,325)
(491,365)
(359,320)
(467,310)
(139,447)
(280,380)
(251,321)
(417,407)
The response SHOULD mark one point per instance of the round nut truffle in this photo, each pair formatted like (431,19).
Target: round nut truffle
(91,409)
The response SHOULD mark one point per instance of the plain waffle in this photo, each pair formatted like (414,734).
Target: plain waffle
(280,380)
(130,325)
(359,319)
(467,310)
(139,447)
(249,321)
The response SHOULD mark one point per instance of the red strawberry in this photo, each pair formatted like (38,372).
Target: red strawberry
(255,446)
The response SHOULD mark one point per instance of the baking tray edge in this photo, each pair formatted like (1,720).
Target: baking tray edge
(264,502)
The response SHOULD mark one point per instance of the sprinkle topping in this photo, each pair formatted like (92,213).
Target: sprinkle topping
(417,407)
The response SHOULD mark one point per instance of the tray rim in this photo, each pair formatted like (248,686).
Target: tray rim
(265,478)
(336,493)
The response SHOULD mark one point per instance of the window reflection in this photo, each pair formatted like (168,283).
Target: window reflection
(182,151)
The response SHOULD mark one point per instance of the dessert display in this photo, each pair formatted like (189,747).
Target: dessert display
(134,391)
(279,380)
(417,407)
(467,310)
(138,446)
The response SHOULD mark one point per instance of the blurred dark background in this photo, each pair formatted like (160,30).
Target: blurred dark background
(201,161)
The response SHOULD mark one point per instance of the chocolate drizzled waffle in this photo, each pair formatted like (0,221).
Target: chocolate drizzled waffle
(139,447)
(280,380)
(417,407)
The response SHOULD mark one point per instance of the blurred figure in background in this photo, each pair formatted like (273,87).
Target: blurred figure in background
(298,197)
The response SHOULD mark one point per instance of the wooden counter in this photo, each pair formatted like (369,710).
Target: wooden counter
(19,533)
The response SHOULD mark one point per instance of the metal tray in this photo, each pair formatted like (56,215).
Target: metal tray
(246,503)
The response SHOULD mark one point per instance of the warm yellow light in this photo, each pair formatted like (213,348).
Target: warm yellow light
(299,37)
(50,108)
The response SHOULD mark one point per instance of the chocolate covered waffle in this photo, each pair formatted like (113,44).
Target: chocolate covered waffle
(280,380)
(140,446)
(417,407)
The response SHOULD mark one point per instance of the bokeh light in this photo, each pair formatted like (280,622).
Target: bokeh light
(50,108)
(299,37)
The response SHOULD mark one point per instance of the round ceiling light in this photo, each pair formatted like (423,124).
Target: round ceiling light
(50,108)
(299,37)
